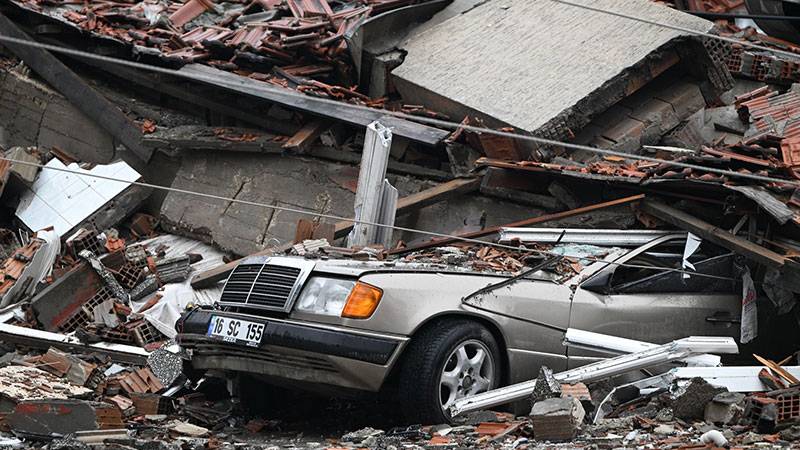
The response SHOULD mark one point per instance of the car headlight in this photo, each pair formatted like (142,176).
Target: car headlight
(336,297)
(324,296)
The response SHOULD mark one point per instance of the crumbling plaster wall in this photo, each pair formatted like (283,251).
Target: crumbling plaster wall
(302,183)
(32,114)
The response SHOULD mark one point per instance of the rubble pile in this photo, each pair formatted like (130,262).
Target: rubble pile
(183,253)
(44,396)
(289,43)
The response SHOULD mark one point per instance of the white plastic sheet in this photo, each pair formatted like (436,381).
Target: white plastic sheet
(692,244)
(749,330)
(176,296)
(63,200)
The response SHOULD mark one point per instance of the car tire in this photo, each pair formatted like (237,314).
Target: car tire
(420,384)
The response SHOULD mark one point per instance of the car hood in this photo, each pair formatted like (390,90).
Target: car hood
(354,268)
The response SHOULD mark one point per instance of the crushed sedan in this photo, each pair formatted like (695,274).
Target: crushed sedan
(434,333)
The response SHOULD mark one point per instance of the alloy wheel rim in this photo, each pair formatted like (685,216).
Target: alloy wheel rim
(469,370)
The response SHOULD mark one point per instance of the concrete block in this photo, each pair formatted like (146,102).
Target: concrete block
(380,84)
(33,114)
(62,417)
(62,299)
(546,386)
(725,118)
(21,109)
(65,127)
(273,179)
(657,115)
(685,135)
(691,404)
(557,419)
(724,408)
(685,98)
(626,135)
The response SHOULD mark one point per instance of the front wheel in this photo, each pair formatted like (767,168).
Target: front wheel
(448,361)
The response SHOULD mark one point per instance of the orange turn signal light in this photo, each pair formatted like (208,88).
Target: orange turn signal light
(362,301)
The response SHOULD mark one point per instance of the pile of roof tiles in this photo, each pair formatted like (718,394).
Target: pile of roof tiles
(771,148)
(757,64)
(775,129)
(286,42)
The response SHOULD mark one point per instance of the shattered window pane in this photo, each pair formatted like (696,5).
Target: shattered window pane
(708,259)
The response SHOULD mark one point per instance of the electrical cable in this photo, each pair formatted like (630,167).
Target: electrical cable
(681,29)
(411,117)
(512,317)
(508,281)
(727,16)
(491,287)
(347,219)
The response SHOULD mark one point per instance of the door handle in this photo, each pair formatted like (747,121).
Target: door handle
(723,317)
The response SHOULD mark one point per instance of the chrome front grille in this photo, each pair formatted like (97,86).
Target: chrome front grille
(265,283)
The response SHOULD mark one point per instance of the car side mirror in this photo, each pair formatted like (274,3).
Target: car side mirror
(600,283)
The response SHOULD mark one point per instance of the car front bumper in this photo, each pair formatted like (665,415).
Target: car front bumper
(313,356)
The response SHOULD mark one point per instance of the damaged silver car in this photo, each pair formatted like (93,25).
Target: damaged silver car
(437,333)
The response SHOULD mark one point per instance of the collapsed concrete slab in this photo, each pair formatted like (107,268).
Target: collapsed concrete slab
(309,184)
(33,114)
(513,77)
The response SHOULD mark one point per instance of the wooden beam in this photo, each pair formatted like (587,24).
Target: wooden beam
(419,200)
(523,223)
(341,112)
(194,94)
(90,102)
(712,233)
(424,198)
(200,137)
(307,135)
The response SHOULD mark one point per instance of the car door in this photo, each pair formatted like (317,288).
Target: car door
(643,301)
(537,339)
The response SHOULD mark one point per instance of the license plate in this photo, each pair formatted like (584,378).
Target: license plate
(236,330)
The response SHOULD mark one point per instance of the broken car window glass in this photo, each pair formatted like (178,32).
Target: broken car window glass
(708,259)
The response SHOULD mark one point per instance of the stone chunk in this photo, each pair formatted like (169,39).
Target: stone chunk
(188,429)
(557,419)
(691,404)
(365,437)
(546,386)
(724,408)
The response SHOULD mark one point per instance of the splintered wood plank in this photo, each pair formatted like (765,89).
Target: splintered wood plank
(307,135)
(523,223)
(713,234)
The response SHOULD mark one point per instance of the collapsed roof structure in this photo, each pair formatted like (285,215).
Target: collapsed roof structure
(242,128)
(561,79)
(260,109)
